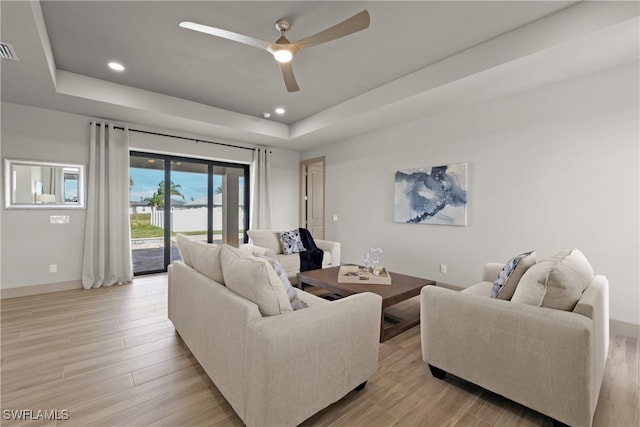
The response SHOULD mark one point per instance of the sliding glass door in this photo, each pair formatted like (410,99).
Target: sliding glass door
(201,198)
(189,200)
(146,213)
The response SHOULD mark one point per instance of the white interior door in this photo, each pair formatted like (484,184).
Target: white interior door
(313,196)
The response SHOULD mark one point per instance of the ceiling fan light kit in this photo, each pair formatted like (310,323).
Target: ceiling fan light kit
(282,55)
(283,50)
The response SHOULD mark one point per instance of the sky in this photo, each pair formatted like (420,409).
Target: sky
(192,185)
(71,189)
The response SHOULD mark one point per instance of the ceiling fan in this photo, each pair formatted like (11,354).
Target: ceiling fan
(282,49)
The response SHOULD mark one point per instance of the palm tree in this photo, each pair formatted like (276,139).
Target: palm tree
(173,189)
(157,199)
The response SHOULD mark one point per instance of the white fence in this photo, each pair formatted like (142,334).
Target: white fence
(191,219)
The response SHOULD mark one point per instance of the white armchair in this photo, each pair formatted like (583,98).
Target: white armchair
(549,360)
(266,242)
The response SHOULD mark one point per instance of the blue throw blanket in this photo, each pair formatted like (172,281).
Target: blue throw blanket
(311,258)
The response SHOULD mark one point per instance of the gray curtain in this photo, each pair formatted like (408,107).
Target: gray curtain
(107,241)
(261,200)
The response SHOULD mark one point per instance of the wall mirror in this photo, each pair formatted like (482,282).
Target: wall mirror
(43,185)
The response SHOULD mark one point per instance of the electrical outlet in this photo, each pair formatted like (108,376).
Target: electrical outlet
(53,268)
(443,268)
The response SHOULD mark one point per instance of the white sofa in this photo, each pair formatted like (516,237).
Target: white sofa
(274,370)
(267,242)
(547,359)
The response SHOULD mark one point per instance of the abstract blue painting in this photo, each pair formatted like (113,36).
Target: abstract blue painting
(432,195)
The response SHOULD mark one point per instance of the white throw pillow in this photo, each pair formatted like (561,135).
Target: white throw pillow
(183,243)
(203,257)
(206,259)
(556,282)
(254,279)
(253,250)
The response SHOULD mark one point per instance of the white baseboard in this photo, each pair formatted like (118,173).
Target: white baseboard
(40,289)
(624,328)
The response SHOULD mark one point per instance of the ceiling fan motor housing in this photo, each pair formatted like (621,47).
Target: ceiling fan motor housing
(283,25)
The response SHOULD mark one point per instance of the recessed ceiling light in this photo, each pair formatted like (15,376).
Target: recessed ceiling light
(280,110)
(116,66)
(266,115)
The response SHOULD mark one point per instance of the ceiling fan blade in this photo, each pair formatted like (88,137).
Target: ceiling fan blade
(289,78)
(229,35)
(356,23)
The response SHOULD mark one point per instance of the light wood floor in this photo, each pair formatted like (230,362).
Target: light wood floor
(111,357)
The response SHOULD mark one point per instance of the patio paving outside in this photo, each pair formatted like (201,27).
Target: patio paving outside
(148,253)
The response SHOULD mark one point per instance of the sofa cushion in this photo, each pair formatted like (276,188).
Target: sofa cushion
(266,238)
(206,259)
(203,257)
(505,285)
(291,242)
(556,282)
(183,243)
(254,279)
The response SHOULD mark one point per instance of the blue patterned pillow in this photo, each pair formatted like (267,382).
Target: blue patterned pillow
(505,285)
(291,242)
(294,299)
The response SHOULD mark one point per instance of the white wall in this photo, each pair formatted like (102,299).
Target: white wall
(551,168)
(30,244)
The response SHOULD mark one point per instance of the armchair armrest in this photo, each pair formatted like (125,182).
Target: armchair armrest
(490,271)
(300,362)
(332,247)
(594,304)
(539,357)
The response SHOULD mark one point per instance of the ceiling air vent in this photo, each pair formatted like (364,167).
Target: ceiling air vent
(7,52)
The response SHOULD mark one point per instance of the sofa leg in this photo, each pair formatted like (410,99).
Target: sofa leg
(437,372)
(361,386)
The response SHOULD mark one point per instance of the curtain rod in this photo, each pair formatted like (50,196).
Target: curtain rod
(182,137)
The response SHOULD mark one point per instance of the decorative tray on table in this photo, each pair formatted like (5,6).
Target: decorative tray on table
(356,274)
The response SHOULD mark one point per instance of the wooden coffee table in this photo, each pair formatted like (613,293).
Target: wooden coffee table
(401,289)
